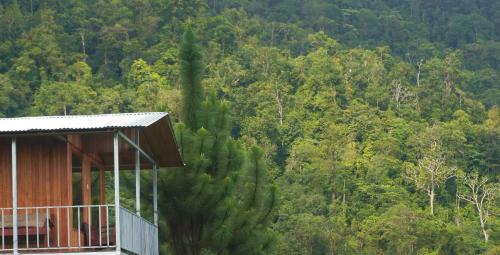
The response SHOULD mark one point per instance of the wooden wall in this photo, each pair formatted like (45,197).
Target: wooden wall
(5,175)
(44,176)
(42,172)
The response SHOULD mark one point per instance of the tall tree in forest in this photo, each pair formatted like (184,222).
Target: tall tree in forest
(192,90)
(432,168)
(220,201)
(72,95)
(481,194)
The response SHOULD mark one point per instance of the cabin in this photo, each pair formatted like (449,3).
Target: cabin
(60,182)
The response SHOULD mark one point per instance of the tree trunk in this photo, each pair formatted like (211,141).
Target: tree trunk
(279,102)
(485,235)
(82,41)
(419,65)
(431,199)
(483,226)
(457,214)
(343,195)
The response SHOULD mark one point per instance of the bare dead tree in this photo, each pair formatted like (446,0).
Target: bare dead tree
(82,41)
(419,70)
(431,171)
(480,193)
(399,93)
(457,203)
(279,103)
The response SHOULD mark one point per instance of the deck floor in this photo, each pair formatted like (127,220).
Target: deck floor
(80,253)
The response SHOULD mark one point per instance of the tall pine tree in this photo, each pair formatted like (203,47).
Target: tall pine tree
(192,90)
(220,202)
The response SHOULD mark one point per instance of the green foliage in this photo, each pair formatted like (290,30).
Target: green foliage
(191,72)
(220,201)
(344,98)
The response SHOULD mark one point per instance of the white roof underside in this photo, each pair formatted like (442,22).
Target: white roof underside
(79,122)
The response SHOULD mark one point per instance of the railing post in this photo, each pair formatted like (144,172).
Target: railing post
(14,196)
(155,193)
(137,175)
(117,191)
(155,206)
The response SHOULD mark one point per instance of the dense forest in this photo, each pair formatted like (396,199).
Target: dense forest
(343,126)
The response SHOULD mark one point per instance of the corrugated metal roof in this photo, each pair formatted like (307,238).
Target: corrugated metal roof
(79,122)
(157,136)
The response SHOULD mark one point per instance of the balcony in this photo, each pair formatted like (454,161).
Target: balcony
(76,229)
(55,173)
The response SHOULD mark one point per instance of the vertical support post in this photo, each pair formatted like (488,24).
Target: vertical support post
(86,188)
(102,194)
(68,196)
(14,196)
(155,206)
(137,174)
(117,191)
(102,186)
(155,193)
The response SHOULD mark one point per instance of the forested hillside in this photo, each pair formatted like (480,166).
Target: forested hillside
(378,120)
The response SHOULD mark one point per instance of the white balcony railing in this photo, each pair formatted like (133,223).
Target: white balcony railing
(138,235)
(76,229)
(59,228)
